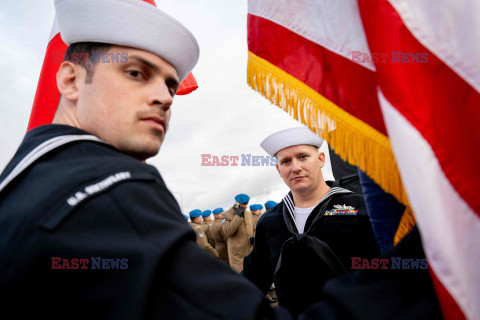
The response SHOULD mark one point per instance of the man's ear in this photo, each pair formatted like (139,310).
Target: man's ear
(321,157)
(67,79)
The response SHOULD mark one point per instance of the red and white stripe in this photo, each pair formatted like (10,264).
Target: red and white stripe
(47,95)
(318,53)
(431,111)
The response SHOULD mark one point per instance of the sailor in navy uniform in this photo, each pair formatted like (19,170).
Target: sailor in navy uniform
(306,219)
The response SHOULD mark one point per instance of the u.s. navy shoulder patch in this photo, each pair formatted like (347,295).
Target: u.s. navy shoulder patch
(82,194)
(341,210)
(92,189)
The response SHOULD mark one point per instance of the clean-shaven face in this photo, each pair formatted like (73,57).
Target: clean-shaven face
(300,167)
(128,104)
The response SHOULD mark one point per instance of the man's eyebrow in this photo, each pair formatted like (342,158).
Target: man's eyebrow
(295,155)
(145,62)
(155,68)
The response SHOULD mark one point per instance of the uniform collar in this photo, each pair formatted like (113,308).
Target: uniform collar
(37,143)
(288,205)
(36,137)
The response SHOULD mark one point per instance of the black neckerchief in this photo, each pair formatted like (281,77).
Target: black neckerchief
(331,261)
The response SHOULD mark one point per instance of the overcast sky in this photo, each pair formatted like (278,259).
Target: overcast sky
(223,117)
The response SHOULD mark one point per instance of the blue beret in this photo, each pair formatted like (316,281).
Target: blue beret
(218,210)
(195,213)
(242,198)
(254,207)
(206,213)
(186,217)
(270,204)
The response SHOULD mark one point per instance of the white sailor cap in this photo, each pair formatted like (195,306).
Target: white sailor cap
(290,137)
(131,23)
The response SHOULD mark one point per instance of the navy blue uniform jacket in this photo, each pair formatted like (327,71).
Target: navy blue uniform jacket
(300,278)
(86,200)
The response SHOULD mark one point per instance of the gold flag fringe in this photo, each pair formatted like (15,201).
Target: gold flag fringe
(353,140)
(407,222)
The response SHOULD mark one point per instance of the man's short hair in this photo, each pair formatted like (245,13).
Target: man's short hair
(80,53)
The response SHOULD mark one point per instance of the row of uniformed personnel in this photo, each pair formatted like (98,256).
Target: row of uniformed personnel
(230,236)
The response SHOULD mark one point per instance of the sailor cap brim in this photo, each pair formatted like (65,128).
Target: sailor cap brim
(130,23)
(288,138)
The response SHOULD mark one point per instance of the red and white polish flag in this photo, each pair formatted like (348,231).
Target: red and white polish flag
(47,95)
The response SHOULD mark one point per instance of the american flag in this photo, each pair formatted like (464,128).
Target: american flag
(423,111)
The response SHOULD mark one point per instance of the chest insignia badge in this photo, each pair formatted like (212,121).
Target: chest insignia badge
(341,210)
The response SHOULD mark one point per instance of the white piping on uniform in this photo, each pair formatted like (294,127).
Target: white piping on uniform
(41,150)
(289,201)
